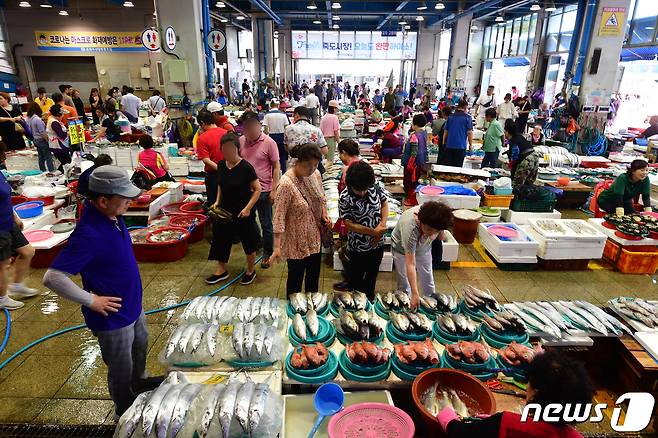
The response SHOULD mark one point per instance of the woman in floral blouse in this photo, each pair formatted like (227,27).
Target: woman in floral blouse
(299,212)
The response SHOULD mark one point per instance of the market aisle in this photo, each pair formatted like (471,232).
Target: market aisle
(55,381)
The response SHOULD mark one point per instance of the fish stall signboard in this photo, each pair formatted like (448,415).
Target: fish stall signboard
(82,41)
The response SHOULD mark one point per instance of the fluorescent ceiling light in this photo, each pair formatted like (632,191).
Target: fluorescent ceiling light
(335,26)
(128,4)
(649,28)
(240,17)
(439,6)
(317,20)
(336,18)
(25,5)
(220,4)
(419,18)
(535,7)
(407,27)
(474,27)
(421,6)
(63,12)
(550,6)
(45,5)
(336,5)
(402,22)
(311,5)
(499,19)
(223,19)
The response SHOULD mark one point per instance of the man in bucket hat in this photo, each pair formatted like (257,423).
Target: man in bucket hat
(100,250)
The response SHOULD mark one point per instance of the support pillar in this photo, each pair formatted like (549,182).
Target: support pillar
(458,60)
(427,54)
(262,29)
(597,86)
(285,53)
(473,72)
(189,48)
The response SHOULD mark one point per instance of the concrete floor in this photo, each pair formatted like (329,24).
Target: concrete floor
(63,379)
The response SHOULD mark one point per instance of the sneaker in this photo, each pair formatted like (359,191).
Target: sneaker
(9,304)
(217,278)
(248,278)
(264,264)
(343,286)
(19,290)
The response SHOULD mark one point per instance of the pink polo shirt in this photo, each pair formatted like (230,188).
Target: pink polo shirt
(329,124)
(261,154)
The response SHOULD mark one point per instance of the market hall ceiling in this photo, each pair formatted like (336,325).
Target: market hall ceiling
(356,15)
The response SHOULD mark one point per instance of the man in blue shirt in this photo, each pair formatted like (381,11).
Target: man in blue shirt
(457,130)
(100,250)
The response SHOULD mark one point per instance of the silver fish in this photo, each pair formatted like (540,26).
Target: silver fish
(191,307)
(216,308)
(200,310)
(458,404)
(212,398)
(259,338)
(526,318)
(553,317)
(210,308)
(298,302)
(544,323)
(400,321)
(299,327)
(227,406)
(211,339)
(255,308)
(130,419)
(386,299)
(610,322)
(173,340)
(429,303)
(492,323)
(265,308)
(197,337)
(424,322)
(447,323)
(360,300)
(185,400)
(270,335)
(591,319)
(636,316)
(444,401)
(312,322)
(578,320)
(348,324)
(344,299)
(317,298)
(185,337)
(237,339)
(274,309)
(248,341)
(511,321)
(243,402)
(374,324)
(309,301)
(403,299)
(166,411)
(361,317)
(175,378)
(461,323)
(257,406)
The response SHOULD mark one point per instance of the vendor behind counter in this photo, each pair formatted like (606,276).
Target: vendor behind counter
(620,197)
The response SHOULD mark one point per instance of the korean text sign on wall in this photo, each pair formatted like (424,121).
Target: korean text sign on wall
(82,41)
(352,45)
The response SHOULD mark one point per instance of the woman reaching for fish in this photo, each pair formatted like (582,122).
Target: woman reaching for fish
(412,247)
(553,378)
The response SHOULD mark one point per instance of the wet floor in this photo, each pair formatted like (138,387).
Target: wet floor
(63,380)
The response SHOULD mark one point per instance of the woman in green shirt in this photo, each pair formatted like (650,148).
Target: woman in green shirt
(620,196)
(493,140)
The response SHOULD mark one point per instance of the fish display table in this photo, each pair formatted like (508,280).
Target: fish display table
(598,224)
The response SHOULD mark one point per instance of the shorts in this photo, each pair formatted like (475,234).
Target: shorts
(10,241)
(222,240)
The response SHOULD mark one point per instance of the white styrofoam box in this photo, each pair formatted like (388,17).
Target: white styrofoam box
(156,205)
(455,202)
(566,232)
(450,248)
(523,217)
(38,222)
(523,246)
(195,188)
(178,160)
(178,169)
(597,223)
(564,249)
(53,241)
(385,266)
(195,165)
(513,259)
(175,190)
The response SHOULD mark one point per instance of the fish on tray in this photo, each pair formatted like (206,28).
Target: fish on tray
(395,300)
(417,352)
(479,299)
(350,300)
(469,352)
(456,324)
(439,302)
(303,302)
(504,321)
(435,398)
(359,325)
(367,353)
(309,356)
(518,354)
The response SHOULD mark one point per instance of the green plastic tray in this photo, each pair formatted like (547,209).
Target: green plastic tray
(373,374)
(326,334)
(327,374)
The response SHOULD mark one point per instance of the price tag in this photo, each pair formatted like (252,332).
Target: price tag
(216,379)
(226,328)
(74,137)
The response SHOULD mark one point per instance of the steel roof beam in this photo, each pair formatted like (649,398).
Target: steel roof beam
(268,11)
(400,6)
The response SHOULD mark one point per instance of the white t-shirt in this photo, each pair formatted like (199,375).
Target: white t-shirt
(276,121)
(312,101)
(130,104)
(486,102)
(156,103)
(507,110)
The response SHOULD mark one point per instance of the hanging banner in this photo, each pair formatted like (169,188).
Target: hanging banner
(80,41)
(612,20)
(76,132)
(350,45)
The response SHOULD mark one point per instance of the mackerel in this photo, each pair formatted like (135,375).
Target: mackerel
(173,340)
(166,411)
(242,404)
(257,406)
(185,337)
(227,406)
(185,400)
(591,319)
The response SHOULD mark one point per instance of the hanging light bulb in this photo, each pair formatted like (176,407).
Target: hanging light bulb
(336,18)
(535,7)
(223,19)
(499,19)
(25,5)
(45,5)
(440,6)
(128,4)
(220,4)
(240,17)
(335,26)
(402,22)
(421,6)
(550,6)
(316,21)
(63,13)
(336,5)
(419,18)
(311,5)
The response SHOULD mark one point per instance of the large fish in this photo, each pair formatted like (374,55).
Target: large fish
(360,300)
(216,308)
(175,378)
(545,323)
(609,321)
(374,324)
(255,308)
(237,339)
(185,400)
(591,319)
(265,308)
(349,324)
(259,338)
(191,307)
(130,419)
(270,336)
(312,322)
(185,337)
(447,323)
(197,336)
(227,406)
(173,340)
(209,309)
(299,326)
(578,320)
(242,404)
(248,341)
(344,299)
(200,310)
(209,408)
(400,321)
(166,411)
(298,302)
(257,406)
(361,317)
(211,339)
(319,300)
(458,404)
(551,314)
(403,299)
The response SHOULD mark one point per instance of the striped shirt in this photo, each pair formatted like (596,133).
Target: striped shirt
(366,211)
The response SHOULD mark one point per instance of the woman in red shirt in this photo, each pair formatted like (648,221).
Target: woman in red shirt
(152,160)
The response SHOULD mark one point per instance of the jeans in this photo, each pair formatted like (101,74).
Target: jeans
(362,270)
(307,271)
(45,156)
(283,154)
(424,274)
(453,157)
(490,159)
(124,352)
(264,208)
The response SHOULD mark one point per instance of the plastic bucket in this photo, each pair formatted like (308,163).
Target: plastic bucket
(465,226)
